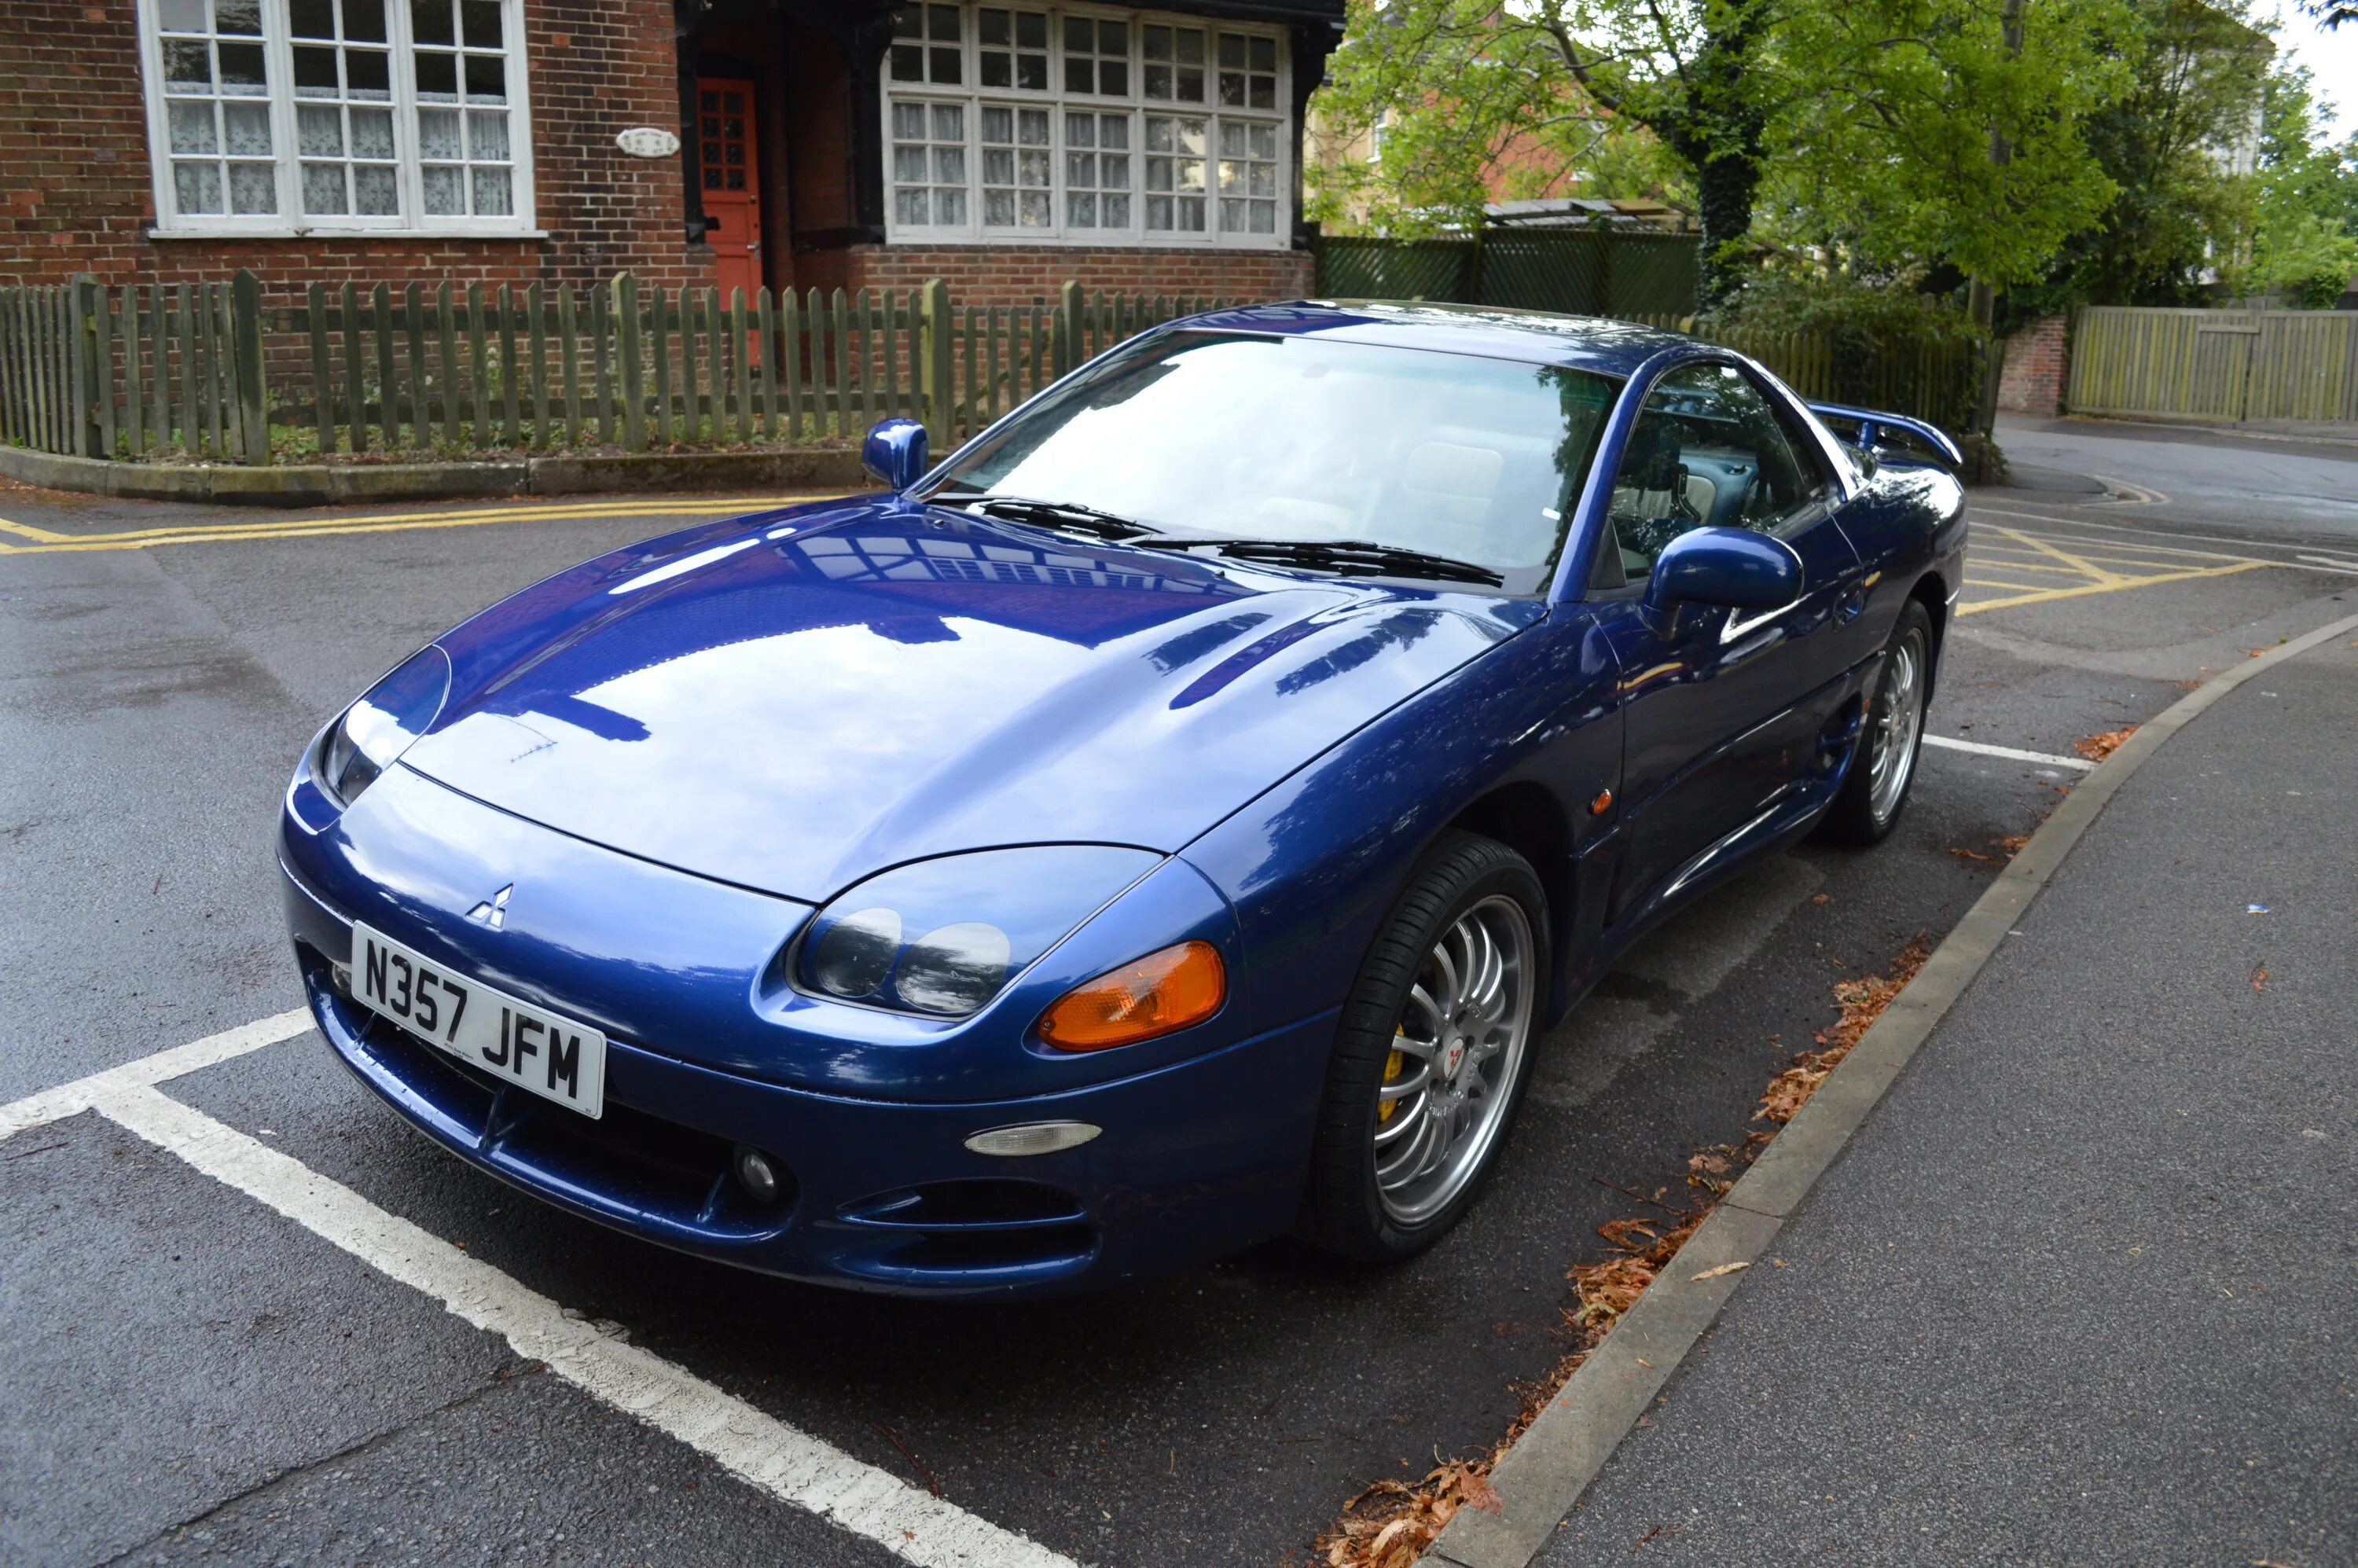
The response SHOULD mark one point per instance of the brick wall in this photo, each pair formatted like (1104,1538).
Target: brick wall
(75,191)
(2037,358)
(1011,275)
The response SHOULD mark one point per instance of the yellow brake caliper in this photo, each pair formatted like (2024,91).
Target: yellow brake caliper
(1394,1066)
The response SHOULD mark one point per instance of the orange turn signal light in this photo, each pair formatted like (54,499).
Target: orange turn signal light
(1156,995)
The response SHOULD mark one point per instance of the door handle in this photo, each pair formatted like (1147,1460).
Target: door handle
(1849,607)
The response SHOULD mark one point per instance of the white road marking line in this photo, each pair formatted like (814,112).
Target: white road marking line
(73,1098)
(767,1452)
(2338,563)
(1981,749)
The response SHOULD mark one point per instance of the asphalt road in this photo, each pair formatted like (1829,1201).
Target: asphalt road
(195,1376)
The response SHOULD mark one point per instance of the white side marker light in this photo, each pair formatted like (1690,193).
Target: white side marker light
(1033,1138)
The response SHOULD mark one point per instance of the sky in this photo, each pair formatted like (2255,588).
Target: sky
(2333,61)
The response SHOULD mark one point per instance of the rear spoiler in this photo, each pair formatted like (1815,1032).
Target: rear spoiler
(1872,425)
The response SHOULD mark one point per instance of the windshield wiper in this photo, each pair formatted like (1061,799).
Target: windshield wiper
(1349,557)
(1052,514)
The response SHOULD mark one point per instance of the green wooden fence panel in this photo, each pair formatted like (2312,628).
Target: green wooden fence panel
(569,348)
(766,323)
(790,333)
(741,364)
(388,383)
(536,311)
(634,369)
(355,370)
(421,378)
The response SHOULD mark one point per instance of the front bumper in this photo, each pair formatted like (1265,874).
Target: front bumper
(1198,1157)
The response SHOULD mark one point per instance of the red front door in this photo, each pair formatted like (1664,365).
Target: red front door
(732,183)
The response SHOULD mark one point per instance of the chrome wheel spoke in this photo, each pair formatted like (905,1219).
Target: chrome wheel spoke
(1446,994)
(1404,1121)
(1487,995)
(1420,1002)
(1409,1163)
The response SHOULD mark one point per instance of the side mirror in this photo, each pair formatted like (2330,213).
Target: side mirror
(1726,567)
(895,452)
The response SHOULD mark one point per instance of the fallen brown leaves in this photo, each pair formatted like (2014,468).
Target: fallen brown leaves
(2096,748)
(1390,1524)
(2009,846)
(1862,1001)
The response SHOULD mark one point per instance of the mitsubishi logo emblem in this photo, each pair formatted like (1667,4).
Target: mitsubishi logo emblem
(494,911)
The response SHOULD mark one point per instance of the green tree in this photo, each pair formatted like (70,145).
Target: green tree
(1948,130)
(1459,85)
(2171,146)
(2305,237)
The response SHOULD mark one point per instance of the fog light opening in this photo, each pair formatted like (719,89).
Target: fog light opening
(1033,1138)
(755,1174)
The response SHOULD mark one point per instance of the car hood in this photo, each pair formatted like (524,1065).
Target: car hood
(792,700)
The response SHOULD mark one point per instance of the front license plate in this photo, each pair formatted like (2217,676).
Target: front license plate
(530,1047)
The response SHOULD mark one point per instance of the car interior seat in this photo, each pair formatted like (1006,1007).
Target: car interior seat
(1655,497)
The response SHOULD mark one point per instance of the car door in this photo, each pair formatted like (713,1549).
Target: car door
(1725,711)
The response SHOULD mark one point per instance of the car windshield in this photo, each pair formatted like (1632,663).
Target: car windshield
(1313,443)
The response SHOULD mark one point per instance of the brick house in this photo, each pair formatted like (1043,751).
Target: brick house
(813,142)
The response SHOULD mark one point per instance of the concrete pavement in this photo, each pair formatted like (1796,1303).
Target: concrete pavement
(2085,1287)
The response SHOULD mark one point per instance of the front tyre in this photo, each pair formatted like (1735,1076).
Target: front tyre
(1875,792)
(1430,1055)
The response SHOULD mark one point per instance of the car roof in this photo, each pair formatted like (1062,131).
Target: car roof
(1537,337)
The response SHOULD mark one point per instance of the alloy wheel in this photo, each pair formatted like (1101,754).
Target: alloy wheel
(1456,1050)
(1898,718)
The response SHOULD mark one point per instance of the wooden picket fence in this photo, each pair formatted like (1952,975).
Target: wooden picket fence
(206,370)
(108,373)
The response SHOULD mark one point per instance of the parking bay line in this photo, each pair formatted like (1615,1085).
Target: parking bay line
(766,1452)
(73,1098)
(1982,748)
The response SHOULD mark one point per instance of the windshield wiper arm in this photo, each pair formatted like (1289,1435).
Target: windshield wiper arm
(1052,514)
(1346,555)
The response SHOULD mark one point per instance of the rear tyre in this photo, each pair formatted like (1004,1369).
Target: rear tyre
(1430,1055)
(1875,792)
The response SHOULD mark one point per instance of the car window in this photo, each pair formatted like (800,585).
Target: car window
(1301,439)
(1708,449)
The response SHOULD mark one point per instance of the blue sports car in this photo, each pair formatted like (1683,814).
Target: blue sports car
(1171,821)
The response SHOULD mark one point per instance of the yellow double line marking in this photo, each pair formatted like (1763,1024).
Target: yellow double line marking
(45,541)
(2090,572)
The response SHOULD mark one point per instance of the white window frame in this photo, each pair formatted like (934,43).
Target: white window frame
(290,221)
(1134,103)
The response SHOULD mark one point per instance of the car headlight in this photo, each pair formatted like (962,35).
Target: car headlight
(378,728)
(943,936)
